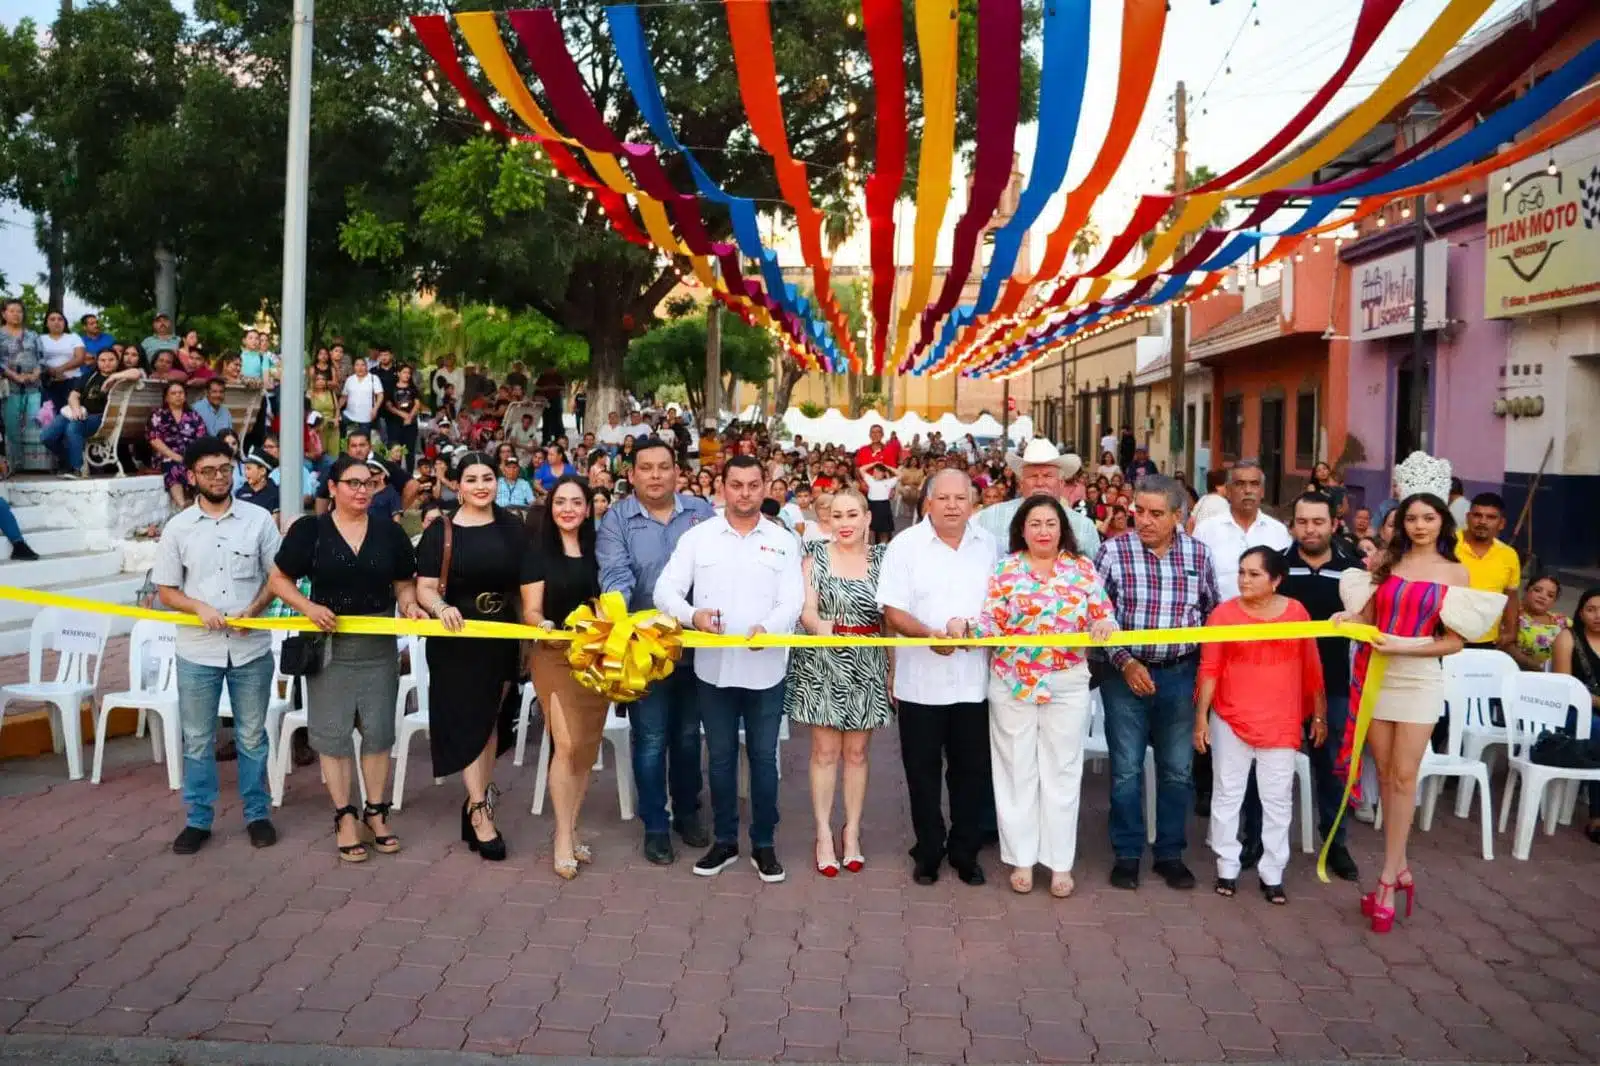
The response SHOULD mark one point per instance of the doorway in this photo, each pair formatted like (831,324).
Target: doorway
(1271,450)
(1412,419)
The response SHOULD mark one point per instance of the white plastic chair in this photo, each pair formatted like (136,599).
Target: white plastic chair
(409,724)
(156,694)
(281,754)
(744,754)
(524,719)
(1459,689)
(619,736)
(1481,674)
(280,699)
(1534,704)
(1095,748)
(83,636)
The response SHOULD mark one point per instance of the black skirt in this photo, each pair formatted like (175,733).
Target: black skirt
(882,516)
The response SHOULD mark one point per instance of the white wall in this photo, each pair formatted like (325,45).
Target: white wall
(1557,356)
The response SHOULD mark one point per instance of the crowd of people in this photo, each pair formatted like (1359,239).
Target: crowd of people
(524,517)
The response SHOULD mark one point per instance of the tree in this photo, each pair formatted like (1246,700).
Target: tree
(1085,242)
(1197,176)
(674,353)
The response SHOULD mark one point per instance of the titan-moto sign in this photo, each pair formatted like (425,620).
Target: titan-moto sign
(1385,293)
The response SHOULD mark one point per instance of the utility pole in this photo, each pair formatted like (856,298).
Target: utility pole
(55,234)
(292,321)
(1419,309)
(713,386)
(1180,316)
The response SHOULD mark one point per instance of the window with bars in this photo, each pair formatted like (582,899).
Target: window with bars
(1305,430)
(1232,426)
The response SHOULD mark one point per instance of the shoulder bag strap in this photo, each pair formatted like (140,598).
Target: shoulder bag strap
(449,543)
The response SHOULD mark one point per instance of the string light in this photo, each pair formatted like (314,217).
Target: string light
(1505,186)
(1466,197)
(850,108)
(461,101)
(1382,222)
(487,125)
(1439,207)
(849,136)
(1405,212)
(1551,168)
(850,19)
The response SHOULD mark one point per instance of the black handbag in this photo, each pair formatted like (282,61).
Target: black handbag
(301,653)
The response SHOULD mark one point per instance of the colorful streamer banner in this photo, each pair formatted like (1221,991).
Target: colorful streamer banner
(886,47)
(750,26)
(628,40)
(999,85)
(936,40)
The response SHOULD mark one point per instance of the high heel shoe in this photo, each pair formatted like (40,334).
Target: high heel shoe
(356,852)
(855,862)
(1403,882)
(826,869)
(493,850)
(388,844)
(1381,915)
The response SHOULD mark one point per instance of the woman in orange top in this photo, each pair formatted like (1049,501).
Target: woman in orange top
(1261,693)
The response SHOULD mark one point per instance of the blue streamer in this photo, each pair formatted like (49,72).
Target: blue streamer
(1061,82)
(628,38)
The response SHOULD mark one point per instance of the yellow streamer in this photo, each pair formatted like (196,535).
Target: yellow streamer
(1377,666)
(936,39)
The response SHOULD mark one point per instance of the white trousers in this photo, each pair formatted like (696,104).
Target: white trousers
(1230,774)
(1037,758)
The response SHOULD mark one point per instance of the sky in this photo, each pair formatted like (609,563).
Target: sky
(1248,67)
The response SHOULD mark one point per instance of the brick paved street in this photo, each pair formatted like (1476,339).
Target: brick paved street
(104,932)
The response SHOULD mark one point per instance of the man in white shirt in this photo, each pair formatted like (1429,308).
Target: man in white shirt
(933,578)
(1243,526)
(1227,536)
(611,434)
(361,398)
(745,573)
(637,428)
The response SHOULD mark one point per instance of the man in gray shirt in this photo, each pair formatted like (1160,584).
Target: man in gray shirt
(633,544)
(213,562)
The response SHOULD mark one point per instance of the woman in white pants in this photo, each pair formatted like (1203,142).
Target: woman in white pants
(1039,697)
(1252,700)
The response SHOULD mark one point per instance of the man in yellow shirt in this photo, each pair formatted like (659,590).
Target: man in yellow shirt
(1492,565)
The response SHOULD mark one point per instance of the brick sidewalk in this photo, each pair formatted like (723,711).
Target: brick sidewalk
(104,932)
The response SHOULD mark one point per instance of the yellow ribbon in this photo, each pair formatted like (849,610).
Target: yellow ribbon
(620,653)
(1377,666)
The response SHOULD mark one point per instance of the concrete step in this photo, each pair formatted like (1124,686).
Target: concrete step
(49,542)
(38,516)
(14,628)
(62,569)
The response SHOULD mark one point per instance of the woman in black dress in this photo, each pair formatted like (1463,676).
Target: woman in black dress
(566,575)
(489,570)
(356,567)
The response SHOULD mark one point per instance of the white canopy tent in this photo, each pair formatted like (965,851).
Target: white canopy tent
(833,427)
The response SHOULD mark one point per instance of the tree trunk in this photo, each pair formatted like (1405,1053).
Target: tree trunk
(606,349)
(788,377)
(166,283)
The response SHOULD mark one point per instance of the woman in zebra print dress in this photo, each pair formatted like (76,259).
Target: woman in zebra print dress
(842,693)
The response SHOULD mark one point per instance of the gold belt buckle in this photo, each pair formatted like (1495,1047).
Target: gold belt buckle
(490,603)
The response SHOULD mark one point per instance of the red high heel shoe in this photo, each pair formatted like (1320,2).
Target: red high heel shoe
(855,862)
(1408,886)
(1382,916)
(827,869)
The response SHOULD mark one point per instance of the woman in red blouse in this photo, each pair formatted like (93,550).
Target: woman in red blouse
(1251,703)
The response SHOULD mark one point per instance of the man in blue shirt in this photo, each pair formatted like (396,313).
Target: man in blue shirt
(634,542)
(94,341)
(212,409)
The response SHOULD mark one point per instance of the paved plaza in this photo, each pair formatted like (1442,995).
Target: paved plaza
(105,933)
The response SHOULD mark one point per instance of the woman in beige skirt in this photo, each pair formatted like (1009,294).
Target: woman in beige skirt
(567,576)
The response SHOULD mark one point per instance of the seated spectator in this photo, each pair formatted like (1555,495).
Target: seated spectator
(83,413)
(385,500)
(258,487)
(511,490)
(1539,624)
(212,409)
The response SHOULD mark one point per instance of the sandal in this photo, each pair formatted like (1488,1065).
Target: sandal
(582,853)
(356,852)
(1227,886)
(1274,895)
(388,843)
(1061,885)
(1021,881)
(566,869)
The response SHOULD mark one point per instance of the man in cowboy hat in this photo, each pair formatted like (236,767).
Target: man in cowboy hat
(1042,470)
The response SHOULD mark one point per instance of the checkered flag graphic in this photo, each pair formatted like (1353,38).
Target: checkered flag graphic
(1590,200)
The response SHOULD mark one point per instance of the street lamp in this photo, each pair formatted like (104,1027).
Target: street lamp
(1419,121)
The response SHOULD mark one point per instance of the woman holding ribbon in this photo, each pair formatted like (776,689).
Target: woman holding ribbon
(565,575)
(1261,693)
(1418,598)
(841,693)
(474,565)
(1039,696)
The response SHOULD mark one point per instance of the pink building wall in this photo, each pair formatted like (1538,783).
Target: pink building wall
(1466,360)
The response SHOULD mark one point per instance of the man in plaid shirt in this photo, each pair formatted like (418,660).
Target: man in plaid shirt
(1158,577)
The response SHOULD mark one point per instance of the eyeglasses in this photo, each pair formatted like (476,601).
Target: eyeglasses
(358,484)
(220,470)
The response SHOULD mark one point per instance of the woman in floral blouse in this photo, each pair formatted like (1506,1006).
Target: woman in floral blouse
(1039,697)
(1539,623)
(173,427)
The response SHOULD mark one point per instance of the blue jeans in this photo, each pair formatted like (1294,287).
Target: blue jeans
(1164,721)
(65,438)
(21,405)
(665,728)
(199,695)
(8,523)
(1325,780)
(761,712)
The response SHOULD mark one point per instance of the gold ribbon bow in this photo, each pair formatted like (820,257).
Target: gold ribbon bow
(621,654)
